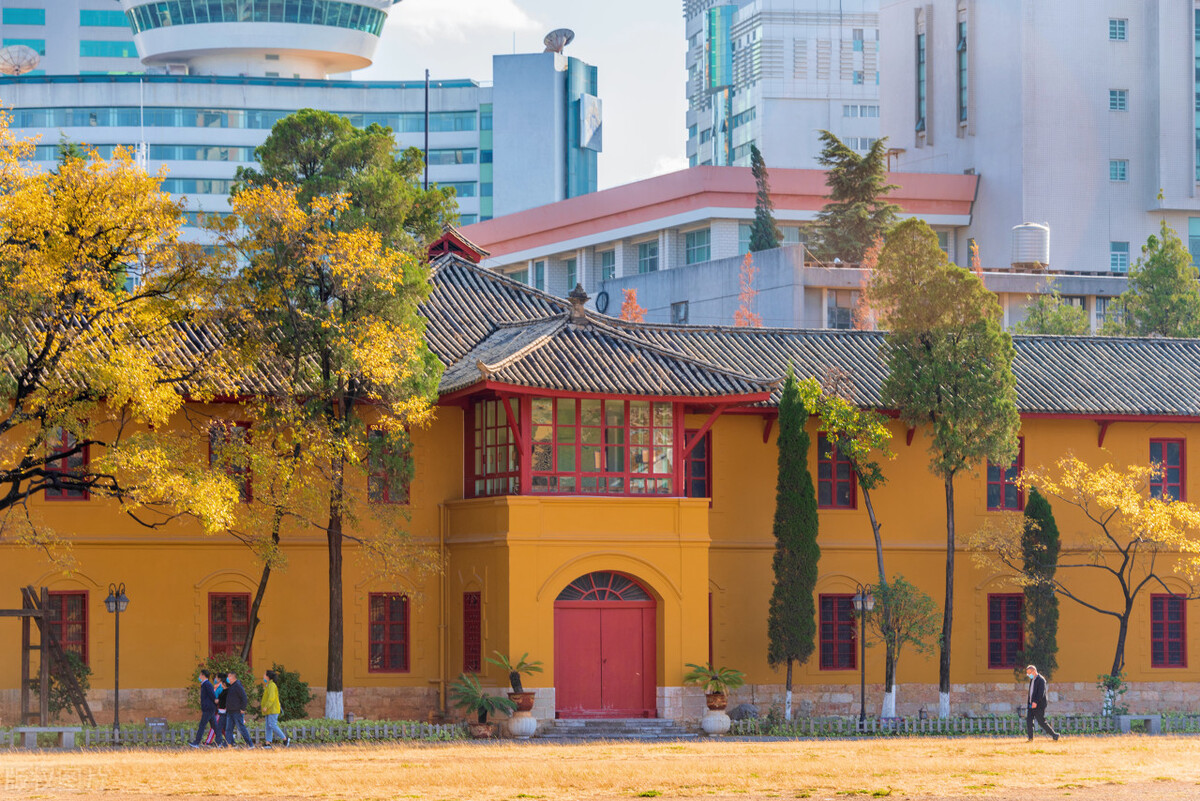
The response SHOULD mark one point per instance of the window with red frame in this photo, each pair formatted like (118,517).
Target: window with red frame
(697,466)
(472,632)
(836,487)
(388,635)
(68,621)
(60,443)
(227,450)
(1168,454)
(838,633)
(1006,629)
(228,622)
(602,447)
(389,472)
(1168,631)
(496,467)
(1003,494)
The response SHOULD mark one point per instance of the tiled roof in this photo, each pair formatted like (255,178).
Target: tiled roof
(469,302)
(1055,375)
(586,355)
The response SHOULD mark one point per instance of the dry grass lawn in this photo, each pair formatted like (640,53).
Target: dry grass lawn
(1108,768)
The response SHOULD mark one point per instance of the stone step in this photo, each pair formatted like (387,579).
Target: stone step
(616,728)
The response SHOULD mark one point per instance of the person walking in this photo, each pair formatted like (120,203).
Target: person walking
(217,735)
(1037,703)
(235,710)
(271,708)
(208,708)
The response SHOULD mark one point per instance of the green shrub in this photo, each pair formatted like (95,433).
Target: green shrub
(60,699)
(294,694)
(220,665)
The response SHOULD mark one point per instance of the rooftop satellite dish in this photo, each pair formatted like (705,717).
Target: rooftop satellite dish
(557,39)
(18,59)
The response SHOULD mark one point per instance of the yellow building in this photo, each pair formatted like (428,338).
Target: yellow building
(603,492)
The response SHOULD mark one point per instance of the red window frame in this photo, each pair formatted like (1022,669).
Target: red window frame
(837,485)
(383,485)
(593,446)
(697,466)
(1003,494)
(388,638)
(472,632)
(839,632)
(496,466)
(63,441)
(220,432)
(1173,480)
(1168,627)
(224,625)
(71,632)
(1006,629)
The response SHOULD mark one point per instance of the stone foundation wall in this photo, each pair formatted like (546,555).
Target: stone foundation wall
(366,703)
(1001,698)
(681,703)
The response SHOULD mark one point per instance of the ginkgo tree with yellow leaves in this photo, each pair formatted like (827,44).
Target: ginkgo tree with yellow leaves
(330,311)
(1134,537)
(98,311)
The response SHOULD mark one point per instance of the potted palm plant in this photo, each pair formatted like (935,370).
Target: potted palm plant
(522,667)
(522,724)
(717,683)
(467,694)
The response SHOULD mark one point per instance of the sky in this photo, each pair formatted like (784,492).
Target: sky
(638,47)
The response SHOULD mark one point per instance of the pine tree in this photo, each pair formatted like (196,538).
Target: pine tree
(949,370)
(1039,551)
(1163,299)
(764,233)
(792,618)
(856,214)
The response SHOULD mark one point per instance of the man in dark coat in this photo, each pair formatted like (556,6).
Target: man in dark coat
(1037,703)
(235,708)
(208,710)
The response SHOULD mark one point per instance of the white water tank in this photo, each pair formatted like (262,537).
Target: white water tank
(1030,246)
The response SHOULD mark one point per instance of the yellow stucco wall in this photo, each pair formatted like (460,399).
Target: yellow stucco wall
(519,552)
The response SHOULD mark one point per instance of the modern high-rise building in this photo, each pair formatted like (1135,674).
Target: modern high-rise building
(211,77)
(776,73)
(1075,114)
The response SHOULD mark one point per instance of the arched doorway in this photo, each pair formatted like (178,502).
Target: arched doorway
(604,648)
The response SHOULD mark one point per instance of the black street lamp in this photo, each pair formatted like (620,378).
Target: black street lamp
(116,602)
(863,602)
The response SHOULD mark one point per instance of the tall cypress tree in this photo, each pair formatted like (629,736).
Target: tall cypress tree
(1039,550)
(792,619)
(764,233)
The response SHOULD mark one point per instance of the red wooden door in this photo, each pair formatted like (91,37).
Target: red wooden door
(577,656)
(604,649)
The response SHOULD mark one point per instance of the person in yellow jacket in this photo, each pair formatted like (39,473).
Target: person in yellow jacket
(271,709)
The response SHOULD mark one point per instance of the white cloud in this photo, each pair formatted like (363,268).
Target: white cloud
(453,20)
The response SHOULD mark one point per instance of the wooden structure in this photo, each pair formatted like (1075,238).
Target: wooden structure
(34,609)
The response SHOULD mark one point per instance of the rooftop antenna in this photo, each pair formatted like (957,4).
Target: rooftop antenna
(18,59)
(557,39)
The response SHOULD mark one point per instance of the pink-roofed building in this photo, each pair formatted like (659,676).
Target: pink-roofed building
(679,238)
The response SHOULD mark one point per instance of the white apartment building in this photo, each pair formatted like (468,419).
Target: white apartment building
(1077,114)
(777,72)
(211,77)
(72,37)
